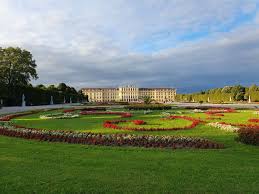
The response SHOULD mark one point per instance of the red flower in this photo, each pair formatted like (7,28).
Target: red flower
(254,120)
(68,110)
(139,122)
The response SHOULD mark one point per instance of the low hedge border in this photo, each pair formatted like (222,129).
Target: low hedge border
(147,141)
(149,107)
(122,114)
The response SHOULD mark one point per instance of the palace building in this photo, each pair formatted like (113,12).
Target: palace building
(129,94)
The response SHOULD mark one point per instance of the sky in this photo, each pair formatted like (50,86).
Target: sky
(190,45)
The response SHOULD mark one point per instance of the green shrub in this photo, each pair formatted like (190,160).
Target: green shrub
(149,107)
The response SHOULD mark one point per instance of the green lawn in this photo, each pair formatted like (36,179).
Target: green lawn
(41,167)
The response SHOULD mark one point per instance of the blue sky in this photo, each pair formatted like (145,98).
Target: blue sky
(190,45)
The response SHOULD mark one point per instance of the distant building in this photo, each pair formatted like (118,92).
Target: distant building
(129,94)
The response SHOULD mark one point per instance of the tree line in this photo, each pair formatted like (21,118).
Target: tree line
(226,94)
(17,69)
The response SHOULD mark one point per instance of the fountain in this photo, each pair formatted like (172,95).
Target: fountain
(70,100)
(64,100)
(249,100)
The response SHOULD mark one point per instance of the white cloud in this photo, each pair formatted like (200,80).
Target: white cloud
(92,42)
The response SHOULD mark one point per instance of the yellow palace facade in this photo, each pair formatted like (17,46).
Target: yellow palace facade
(129,94)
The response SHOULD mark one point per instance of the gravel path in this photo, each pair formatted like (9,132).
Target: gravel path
(15,109)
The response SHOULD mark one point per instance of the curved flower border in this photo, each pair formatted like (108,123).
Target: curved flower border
(252,126)
(147,141)
(114,124)
(12,116)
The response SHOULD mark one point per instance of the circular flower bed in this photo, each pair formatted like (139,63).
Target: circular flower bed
(122,114)
(148,141)
(59,116)
(114,125)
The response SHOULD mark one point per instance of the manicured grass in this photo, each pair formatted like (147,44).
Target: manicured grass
(41,167)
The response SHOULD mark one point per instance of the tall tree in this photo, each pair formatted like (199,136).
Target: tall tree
(17,68)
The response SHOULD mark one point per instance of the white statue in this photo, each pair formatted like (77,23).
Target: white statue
(23,101)
(51,100)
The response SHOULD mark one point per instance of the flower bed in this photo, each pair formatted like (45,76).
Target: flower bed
(122,114)
(147,141)
(253,120)
(114,125)
(249,136)
(219,111)
(12,116)
(139,122)
(253,126)
(69,110)
(224,127)
(59,116)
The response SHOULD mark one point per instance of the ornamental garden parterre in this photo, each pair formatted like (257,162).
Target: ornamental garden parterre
(121,124)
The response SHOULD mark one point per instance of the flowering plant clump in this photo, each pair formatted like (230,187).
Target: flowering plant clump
(114,125)
(198,111)
(224,127)
(219,111)
(256,112)
(148,141)
(59,116)
(139,122)
(126,115)
(122,114)
(249,136)
(253,120)
(69,110)
(252,126)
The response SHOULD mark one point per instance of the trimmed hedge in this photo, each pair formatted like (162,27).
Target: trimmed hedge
(94,109)
(149,107)
(249,136)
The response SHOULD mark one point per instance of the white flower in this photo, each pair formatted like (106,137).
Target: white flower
(224,127)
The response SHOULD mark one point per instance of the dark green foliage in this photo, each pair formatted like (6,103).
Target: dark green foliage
(17,69)
(147,100)
(149,107)
(223,95)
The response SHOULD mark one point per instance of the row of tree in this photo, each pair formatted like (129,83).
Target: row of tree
(223,95)
(17,69)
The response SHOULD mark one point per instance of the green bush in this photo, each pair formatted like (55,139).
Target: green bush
(149,107)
